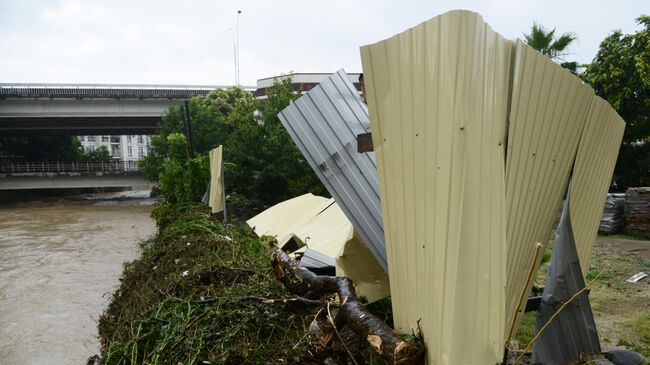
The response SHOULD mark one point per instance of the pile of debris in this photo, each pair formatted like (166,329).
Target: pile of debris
(637,212)
(612,220)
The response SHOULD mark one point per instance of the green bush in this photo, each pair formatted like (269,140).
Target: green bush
(182,179)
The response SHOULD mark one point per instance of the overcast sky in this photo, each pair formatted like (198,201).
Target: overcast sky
(191,42)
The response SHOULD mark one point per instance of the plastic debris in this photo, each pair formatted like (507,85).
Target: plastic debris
(612,220)
(637,277)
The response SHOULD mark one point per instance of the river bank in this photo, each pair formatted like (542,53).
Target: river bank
(61,258)
(205,292)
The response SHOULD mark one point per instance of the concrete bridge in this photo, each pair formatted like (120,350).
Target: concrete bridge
(71,174)
(89,109)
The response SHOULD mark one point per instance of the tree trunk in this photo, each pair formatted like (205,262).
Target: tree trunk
(383,339)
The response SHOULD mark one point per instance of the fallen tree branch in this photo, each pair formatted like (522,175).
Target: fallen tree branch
(294,300)
(383,339)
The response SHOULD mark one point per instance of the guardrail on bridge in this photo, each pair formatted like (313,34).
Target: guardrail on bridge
(68,166)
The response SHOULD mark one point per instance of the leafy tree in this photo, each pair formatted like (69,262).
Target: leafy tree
(209,117)
(40,148)
(100,154)
(263,162)
(551,46)
(620,74)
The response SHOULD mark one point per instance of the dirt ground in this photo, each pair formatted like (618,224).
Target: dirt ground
(621,309)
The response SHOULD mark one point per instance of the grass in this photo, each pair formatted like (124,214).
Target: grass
(181,302)
(638,338)
(526,331)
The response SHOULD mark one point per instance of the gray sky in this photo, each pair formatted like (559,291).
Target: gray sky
(190,42)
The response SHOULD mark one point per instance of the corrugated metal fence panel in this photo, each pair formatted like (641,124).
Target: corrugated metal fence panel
(438,96)
(324,124)
(284,218)
(592,174)
(571,334)
(548,112)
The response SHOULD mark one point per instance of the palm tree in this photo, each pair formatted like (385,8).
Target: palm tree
(550,46)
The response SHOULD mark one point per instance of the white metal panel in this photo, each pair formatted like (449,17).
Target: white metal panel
(438,99)
(548,111)
(592,174)
(324,124)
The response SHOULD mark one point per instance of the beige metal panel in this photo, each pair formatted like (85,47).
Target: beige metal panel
(359,264)
(326,232)
(548,111)
(216,181)
(331,233)
(592,174)
(437,99)
(321,225)
(284,218)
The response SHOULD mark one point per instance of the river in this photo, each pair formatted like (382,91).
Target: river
(60,260)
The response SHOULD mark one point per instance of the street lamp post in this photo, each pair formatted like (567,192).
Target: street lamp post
(234,52)
(237,51)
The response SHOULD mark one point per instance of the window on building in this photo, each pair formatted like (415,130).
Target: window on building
(140,151)
(129,150)
(140,140)
(91,138)
(104,138)
(90,148)
(128,138)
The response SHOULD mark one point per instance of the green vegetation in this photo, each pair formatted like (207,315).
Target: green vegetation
(194,297)
(551,46)
(620,74)
(41,148)
(185,300)
(100,154)
(182,179)
(262,163)
(49,148)
(526,331)
(638,338)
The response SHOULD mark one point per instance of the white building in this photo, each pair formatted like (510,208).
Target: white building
(302,82)
(126,148)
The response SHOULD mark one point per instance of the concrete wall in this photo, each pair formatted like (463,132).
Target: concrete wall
(72,180)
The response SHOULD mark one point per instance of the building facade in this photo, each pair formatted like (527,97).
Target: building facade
(302,82)
(125,148)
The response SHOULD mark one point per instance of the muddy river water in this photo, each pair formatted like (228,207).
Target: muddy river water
(60,260)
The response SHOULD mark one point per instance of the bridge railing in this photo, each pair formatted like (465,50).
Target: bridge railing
(68,166)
